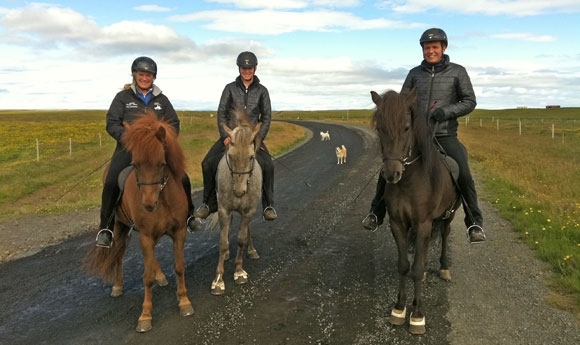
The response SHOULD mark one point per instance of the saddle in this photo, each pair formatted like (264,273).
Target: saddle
(123,177)
(452,166)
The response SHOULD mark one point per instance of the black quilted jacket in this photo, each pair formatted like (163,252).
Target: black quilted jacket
(445,85)
(126,106)
(256,102)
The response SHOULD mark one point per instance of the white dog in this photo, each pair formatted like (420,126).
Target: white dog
(324,136)
(341,154)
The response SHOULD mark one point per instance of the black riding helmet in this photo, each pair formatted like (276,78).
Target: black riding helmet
(144,64)
(434,35)
(247,60)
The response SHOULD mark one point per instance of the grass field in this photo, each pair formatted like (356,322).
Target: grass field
(527,159)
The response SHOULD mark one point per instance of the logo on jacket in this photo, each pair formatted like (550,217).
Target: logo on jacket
(157,106)
(131,105)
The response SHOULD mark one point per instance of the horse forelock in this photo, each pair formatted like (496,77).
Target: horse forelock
(141,140)
(391,113)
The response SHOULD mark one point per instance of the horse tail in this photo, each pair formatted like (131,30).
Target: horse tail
(102,262)
(213,222)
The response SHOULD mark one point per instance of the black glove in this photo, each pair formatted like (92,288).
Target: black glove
(438,115)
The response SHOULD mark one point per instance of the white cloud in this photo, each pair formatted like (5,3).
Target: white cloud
(267,22)
(152,8)
(488,7)
(525,36)
(286,4)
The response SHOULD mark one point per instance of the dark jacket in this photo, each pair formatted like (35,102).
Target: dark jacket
(127,105)
(445,85)
(255,100)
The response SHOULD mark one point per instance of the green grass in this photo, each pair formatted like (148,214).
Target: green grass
(527,160)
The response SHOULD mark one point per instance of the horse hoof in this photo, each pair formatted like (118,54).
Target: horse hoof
(253,255)
(217,291)
(186,310)
(397,317)
(445,275)
(143,326)
(417,325)
(241,277)
(116,291)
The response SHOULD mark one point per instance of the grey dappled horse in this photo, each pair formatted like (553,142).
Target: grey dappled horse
(239,186)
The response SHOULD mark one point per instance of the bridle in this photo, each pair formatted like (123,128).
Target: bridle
(405,158)
(233,172)
(162,183)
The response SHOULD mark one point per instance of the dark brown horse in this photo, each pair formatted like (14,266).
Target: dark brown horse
(239,186)
(420,195)
(154,204)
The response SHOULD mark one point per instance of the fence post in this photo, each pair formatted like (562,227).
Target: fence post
(37,151)
(70,146)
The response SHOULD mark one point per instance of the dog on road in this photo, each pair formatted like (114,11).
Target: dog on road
(324,136)
(341,154)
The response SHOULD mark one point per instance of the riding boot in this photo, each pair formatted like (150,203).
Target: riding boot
(192,222)
(209,167)
(109,200)
(378,210)
(267,166)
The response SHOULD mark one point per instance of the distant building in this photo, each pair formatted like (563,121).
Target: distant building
(522,107)
(551,106)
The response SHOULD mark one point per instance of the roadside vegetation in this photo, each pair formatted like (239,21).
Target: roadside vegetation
(526,159)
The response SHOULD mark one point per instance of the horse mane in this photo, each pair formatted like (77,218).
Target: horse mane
(144,139)
(389,118)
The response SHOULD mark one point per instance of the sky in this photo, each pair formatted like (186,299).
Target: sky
(312,54)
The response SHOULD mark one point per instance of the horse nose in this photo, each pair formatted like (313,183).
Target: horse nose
(239,193)
(392,177)
(150,207)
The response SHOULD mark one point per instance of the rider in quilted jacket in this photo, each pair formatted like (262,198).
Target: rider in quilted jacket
(248,93)
(444,93)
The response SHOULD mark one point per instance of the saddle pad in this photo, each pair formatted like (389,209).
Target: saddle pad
(452,166)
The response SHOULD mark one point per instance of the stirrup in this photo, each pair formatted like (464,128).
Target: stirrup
(475,226)
(371,218)
(269,208)
(103,245)
(196,227)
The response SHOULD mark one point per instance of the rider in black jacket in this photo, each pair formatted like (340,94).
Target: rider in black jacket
(246,93)
(444,93)
(125,107)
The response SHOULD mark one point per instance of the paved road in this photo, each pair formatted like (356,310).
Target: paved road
(321,278)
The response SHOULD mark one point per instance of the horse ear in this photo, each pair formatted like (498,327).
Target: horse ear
(376,97)
(257,138)
(161,134)
(227,130)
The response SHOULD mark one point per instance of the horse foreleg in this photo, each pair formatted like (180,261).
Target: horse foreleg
(119,246)
(398,313)
(160,277)
(148,249)
(417,318)
(185,308)
(218,286)
(241,276)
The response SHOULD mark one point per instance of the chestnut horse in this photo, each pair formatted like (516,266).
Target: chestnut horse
(420,195)
(154,204)
(239,186)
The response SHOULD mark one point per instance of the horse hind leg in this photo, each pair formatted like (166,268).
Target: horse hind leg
(444,272)
(252,252)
